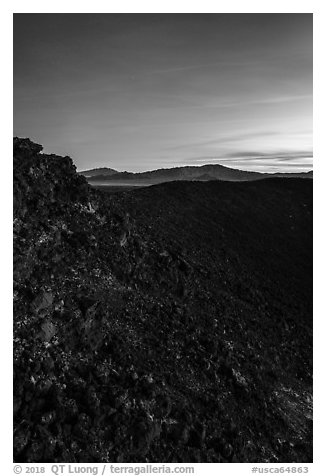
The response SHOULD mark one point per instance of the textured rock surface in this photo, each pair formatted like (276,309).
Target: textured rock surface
(170,324)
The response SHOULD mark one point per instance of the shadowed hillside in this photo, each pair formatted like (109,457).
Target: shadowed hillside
(167,324)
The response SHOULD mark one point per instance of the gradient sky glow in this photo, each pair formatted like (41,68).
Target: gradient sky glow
(143,91)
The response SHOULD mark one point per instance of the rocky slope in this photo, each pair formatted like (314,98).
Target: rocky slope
(167,324)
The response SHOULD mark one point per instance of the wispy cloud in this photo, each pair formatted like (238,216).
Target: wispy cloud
(198,67)
(281,155)
(231,104)
(260,101)
(258,60)
(232,138)
(254,156)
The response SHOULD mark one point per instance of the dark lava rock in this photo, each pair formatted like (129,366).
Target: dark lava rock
(168,324)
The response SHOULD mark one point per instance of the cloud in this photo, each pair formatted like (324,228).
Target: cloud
(282,155)
(239,137)
(249,156)
(202,66)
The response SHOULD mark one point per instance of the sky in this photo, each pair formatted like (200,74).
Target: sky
(139,92)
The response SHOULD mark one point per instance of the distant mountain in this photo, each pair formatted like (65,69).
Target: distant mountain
(293,175)
(203,173)
(103,172)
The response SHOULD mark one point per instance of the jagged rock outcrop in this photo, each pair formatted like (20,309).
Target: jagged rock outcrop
(168,324)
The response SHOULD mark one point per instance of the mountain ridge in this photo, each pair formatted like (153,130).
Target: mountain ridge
(103,171)
(202,173)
